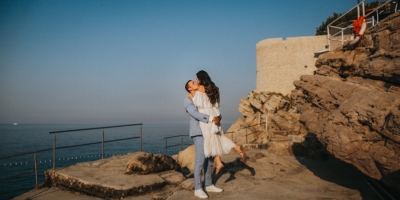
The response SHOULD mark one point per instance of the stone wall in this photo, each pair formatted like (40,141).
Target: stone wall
(280,62)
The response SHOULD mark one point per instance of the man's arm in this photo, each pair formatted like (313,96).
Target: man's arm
(192,110)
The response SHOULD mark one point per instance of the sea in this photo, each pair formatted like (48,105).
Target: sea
(17,173)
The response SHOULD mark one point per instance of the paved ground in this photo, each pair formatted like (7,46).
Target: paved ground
(270,177)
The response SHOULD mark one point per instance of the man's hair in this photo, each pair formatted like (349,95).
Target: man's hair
(187,86)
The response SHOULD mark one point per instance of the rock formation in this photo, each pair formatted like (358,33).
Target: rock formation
(119,176)
(147,163)
(187,157)
(352,103)
(271,120)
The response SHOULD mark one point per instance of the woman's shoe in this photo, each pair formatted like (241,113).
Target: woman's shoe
(242,154)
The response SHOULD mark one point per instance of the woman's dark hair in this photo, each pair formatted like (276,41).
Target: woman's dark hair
(212,90)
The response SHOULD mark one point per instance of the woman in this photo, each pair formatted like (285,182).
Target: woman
(207,101)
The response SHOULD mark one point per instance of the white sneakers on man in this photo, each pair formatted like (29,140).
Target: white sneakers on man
(201,194)
(212,188)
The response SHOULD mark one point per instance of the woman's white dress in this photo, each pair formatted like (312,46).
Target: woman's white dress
(215,142)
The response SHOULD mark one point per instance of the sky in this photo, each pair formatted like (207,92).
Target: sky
(122,62)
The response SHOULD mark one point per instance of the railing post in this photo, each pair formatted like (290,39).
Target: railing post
(54,151)
(36,169)
(246,135)
(342,35)
(140,138)
(166,146)
(372,19)
(102,145)
(329,39)
(363,8)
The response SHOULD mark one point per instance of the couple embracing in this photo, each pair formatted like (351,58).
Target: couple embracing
(202,105)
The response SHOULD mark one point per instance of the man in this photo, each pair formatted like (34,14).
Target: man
(197,137)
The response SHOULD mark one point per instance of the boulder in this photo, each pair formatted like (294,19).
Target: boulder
(266,114)
(255,102)
(245,107)
(263,97)
(271,106)
(253,119)
(147,163)
(187,158)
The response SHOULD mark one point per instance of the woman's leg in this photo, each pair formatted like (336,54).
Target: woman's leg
(219,164)
(237,148)
(241,152)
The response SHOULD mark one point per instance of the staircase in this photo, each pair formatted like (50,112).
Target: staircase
(338,35)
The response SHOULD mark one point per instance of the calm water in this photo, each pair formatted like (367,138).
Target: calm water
(24,138)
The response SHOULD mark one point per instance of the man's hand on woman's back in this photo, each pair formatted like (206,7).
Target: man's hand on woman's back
(216,120)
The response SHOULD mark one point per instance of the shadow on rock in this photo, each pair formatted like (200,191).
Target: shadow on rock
(314,156)
(384,188)
(232,168)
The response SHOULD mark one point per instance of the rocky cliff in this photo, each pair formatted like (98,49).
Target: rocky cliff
(351,105)
(272,121)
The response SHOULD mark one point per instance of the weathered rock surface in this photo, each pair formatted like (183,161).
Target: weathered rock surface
(147,163)
(266,176)
(173,177)
(107,178)
(352,103)
(273,121)
(187,157)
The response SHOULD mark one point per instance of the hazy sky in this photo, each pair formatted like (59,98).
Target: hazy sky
(83,61)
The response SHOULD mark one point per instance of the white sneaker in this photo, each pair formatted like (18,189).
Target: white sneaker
(201,194)
(212,188)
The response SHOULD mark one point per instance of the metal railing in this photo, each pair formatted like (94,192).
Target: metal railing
(247,127)
(35,170)
(102,141)
(231,134)
(175,136)
(360,7)
(181,136)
